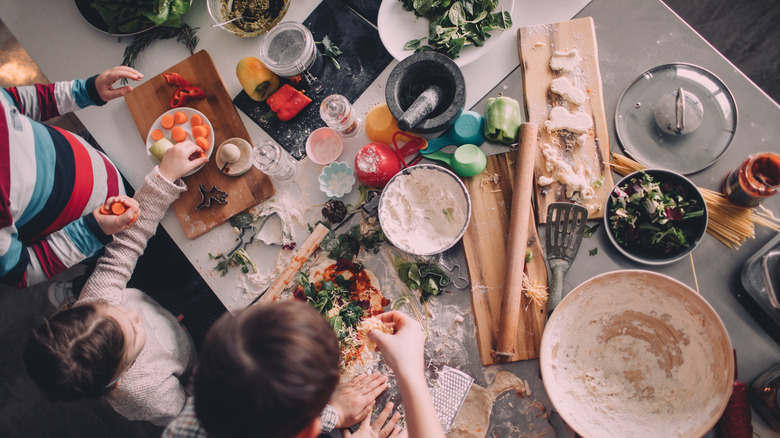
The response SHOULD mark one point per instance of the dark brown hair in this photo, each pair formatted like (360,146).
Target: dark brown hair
(75,353)
(268,371)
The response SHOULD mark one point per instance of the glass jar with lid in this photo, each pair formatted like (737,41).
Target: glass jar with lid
(289,50)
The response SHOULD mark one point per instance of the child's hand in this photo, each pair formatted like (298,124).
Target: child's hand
(379,429)
(105,81)
(112,223)
(402,351)
(354,399)
(176,161)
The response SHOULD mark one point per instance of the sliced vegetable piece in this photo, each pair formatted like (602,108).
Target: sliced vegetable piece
(118,208)
(157,134)
(176,79)
(200,131)
(287,102)
(104,210)
(185,94)
(502,119)
(178,134)
(203,143)
(179,117)
(159,148)
(167,121)
(196,120)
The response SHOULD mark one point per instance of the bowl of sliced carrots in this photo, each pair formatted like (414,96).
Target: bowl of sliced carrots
(177,125)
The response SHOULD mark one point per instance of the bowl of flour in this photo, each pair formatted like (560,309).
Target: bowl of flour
(636,354)
(424,209)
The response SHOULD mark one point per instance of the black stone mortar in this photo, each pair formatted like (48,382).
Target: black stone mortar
(415,74)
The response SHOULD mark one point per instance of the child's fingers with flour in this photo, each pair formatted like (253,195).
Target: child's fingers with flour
(402,350)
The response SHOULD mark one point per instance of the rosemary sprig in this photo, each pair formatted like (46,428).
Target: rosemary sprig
(184,34)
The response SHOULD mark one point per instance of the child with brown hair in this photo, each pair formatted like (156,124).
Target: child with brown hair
(115,342)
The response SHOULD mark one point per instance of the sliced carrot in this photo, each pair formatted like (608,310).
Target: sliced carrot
(178,134)
(203,143)
(118,208)
(196,120)
(200,131)
(167,121)
(179,117)
(104,210)
(157,134)
(135,218)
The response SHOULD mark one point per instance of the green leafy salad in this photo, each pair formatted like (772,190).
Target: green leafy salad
(455,24)
(653,217)
(127,16)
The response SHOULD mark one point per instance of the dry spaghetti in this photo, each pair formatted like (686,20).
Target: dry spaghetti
(731,224)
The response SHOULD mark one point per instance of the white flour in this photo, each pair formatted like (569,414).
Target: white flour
(423,212)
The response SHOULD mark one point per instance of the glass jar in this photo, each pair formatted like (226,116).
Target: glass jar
(765,395)
(274,161)
(338,114)
(754,180)
(289,50)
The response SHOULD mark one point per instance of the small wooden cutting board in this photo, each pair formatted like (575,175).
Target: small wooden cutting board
(537,45)
(150,100)
(484,245)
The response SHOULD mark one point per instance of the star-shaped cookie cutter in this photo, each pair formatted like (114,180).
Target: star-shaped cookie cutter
(213,194)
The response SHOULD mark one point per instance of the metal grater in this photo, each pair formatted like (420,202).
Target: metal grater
(449,393)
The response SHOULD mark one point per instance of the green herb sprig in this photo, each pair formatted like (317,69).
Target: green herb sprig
(330,50)
(183,34)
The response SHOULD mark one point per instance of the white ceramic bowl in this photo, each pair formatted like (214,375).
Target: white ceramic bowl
(636,354)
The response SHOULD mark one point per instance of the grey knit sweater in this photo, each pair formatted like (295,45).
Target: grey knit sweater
(150,390)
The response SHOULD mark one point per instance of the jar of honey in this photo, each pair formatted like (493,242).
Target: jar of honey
(755,180)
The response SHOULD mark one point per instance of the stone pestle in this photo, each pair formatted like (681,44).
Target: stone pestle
(421,107)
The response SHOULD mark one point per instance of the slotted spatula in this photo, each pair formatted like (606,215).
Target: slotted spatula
(564,229)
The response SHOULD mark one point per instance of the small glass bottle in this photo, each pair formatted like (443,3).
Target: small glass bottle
(754,180)
(765,395)
(274,161)
(338,114)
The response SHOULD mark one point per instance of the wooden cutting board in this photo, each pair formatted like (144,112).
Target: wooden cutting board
(484,244)
(537,45)
(150,100)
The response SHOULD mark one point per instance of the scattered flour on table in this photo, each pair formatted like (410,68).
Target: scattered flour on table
(424,211)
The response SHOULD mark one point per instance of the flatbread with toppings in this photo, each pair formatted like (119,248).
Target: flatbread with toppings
(346,294)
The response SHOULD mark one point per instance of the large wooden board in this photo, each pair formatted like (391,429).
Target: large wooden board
(537,44)
(484,245)
(150,99)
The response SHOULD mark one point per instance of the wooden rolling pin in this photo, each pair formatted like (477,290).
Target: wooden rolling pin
(523,189)
(301,256)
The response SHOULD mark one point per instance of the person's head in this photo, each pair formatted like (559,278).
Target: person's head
(267,371)
(82,351)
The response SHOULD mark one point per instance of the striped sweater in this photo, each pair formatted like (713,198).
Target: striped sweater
(50,182)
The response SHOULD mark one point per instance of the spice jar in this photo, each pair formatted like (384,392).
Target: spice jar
(289,50)
(338,114)
(274,161)
(765,395)
(754,180)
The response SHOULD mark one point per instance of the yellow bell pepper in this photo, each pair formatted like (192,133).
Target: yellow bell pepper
(258,81)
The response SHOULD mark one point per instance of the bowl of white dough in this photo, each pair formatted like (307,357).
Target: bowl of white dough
(424,209)
(636,354)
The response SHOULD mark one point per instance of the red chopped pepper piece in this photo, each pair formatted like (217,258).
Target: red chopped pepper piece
(287,102)
(176,79)
(185,94)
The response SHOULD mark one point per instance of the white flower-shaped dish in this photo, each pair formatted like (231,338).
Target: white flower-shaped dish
(337,179)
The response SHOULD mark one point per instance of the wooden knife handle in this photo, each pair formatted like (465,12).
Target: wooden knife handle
(523,188)
(304,252)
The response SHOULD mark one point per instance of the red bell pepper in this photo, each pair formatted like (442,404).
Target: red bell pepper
(176,79)
(287,102)
(185,94)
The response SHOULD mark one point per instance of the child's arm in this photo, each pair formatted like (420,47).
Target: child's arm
(44,101)
(160,406)
(161,187)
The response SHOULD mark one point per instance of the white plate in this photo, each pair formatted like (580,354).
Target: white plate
(187,127)
(397,26)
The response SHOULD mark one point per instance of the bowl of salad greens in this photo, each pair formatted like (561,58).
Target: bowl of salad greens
(655,216)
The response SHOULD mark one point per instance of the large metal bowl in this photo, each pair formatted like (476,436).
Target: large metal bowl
(397,226)
(636,354)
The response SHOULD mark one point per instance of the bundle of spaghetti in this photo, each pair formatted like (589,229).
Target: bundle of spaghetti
(730,223)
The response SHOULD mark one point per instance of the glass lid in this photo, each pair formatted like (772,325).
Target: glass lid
(678,117)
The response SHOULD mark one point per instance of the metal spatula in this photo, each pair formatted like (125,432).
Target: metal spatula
(565,226)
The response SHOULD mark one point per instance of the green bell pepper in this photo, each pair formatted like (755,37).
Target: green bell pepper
(502,119)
